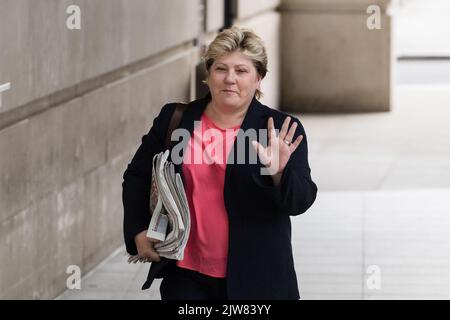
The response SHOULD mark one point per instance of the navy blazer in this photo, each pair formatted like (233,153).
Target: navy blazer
(260,261)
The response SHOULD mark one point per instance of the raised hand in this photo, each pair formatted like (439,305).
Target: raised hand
(279,149)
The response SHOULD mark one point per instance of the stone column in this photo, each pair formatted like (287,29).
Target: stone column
(332,61)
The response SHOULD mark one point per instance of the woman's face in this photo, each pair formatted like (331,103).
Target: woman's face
(233,80)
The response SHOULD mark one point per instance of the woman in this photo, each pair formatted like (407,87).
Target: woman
(239,245)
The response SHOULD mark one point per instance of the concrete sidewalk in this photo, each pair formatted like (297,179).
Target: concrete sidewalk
(384,201)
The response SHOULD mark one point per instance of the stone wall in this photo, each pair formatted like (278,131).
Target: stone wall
(79,103)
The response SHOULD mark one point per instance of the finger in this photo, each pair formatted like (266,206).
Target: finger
(271,133)
(133,259)
(139,259)
(291,132)
(151,255)
(257,146)
(274,143)
(153,241)
(151,258)
(296,143)
(261,151)
(270,124)
(284,128)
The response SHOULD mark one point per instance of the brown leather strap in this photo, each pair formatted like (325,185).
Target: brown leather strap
(175,122)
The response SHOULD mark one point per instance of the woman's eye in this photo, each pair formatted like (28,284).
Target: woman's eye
(242,71)
(219,68)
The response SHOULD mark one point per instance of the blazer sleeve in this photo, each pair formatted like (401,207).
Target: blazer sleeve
(137,179)
(296,191)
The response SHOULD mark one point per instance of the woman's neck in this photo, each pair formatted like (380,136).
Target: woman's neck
(225,117)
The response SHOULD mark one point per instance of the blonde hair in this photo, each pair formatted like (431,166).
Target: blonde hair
(244,40)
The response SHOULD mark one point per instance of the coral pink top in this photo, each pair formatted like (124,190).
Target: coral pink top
(204,164)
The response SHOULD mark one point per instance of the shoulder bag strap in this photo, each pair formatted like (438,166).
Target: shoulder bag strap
(174,122)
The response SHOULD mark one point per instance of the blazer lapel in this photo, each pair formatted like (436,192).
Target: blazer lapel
(254,119)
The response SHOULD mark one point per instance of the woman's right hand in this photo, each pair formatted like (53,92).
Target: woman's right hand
(145,247)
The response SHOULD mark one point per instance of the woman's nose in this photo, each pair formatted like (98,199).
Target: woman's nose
(230,77)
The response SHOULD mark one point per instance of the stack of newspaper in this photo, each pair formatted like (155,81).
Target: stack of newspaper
(170,217)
